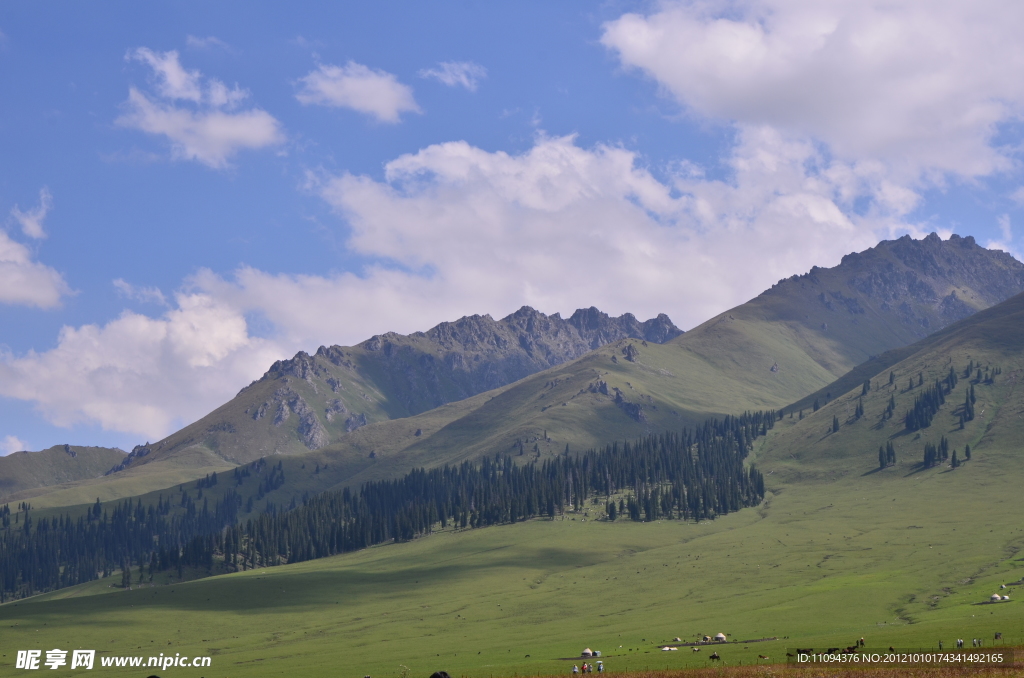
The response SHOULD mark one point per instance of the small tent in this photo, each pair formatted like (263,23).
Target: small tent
(719,637)
(995,598)
(587,653)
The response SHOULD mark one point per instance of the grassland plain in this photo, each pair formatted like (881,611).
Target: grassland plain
(821,563)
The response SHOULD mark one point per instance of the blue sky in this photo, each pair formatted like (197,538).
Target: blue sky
(188,192)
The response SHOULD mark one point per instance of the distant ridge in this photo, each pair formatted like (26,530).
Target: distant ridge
(306,402)
(22,471)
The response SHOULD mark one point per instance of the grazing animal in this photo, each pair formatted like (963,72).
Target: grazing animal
(763,656)
(805,650)
(790,654)
(851,650)
(714,656)
(696,649)
(833,649)
(892,649)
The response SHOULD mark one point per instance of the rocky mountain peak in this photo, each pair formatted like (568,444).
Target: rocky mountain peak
(402,375)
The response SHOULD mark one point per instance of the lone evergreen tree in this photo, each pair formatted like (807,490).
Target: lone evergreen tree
(967,452)
(881,457)
(892,378)
(835,424)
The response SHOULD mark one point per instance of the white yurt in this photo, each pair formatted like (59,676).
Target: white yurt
(719,637)
(995,598)
(587,653)
(1006,597)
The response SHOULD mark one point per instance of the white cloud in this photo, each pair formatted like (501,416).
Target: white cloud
(562,227)
(173,81)
(921,86)
(209,131)
(462,230)
(10,445)
(147,295)
(1005,241)
(205,43)
(457,73)
(373,92)
(1005,228)
(26,282)
(32,220)
(141,375)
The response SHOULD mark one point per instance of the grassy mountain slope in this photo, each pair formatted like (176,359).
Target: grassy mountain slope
(24,471)
(307,402)
(908,555)
(792,340)
(993,338)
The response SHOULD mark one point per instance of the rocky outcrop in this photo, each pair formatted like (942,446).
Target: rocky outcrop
(354,422)
(286,402)
(138,452)
(635,411)
(334,408)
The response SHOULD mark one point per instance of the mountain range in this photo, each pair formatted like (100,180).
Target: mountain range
(531,384)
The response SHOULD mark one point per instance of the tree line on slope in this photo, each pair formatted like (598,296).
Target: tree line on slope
(690,475)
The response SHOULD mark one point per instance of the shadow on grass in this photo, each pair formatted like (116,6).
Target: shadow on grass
(276,588)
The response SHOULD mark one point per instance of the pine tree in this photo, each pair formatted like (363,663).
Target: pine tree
(967,452)
(835,424)
(892,378)
(866,387)
(881,457)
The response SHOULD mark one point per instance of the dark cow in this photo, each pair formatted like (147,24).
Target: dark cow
(714,656)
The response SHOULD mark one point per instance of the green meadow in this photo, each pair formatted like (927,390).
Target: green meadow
(838,560)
